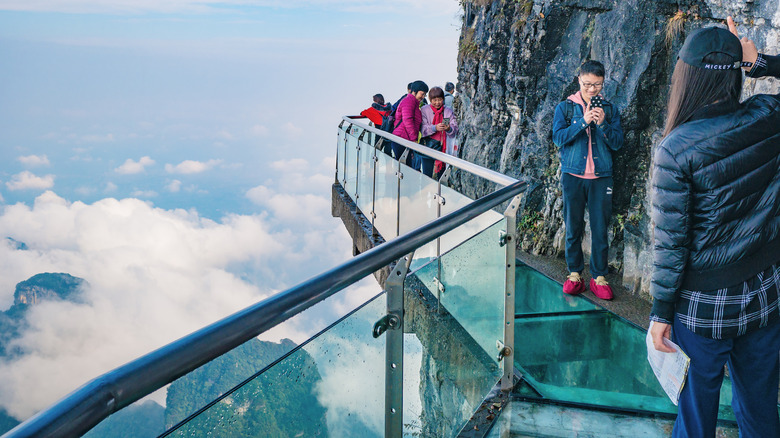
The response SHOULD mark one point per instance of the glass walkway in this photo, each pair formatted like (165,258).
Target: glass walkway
(460,338)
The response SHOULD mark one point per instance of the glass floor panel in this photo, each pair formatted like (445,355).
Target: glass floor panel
(593,358)
(537,294)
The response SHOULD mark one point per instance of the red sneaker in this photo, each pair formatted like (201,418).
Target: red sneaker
(574,284)
(600,288)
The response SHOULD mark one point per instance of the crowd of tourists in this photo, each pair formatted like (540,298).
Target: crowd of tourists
(413,118)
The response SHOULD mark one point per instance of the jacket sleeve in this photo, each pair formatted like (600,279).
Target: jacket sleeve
(671,214)
(411,119)
(428,128)
(563,134)
(453,131)
(611,132)
(766,65)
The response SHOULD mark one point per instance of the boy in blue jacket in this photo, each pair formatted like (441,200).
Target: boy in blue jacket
(587,130)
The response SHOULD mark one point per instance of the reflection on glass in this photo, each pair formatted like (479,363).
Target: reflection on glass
(386,205)
(593,358)
(474,279)
(446,376)
(535,294)
(455,201)
(365,180)
(418,207)
(340,153)
(350,168)
(333,386)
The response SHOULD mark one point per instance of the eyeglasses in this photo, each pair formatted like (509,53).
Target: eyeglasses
(587,85)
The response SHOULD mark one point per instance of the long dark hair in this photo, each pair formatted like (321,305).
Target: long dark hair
(694,88)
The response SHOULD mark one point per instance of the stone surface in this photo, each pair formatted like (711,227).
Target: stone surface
(518,60)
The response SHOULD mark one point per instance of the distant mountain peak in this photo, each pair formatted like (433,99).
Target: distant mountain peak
(47,286)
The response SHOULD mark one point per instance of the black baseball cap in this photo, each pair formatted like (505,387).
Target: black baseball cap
(708,40)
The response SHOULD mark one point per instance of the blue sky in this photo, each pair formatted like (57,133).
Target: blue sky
(92,84)
(178,155)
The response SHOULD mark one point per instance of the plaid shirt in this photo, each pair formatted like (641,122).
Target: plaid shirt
(732,311)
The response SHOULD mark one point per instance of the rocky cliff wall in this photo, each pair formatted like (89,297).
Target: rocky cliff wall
(518,60)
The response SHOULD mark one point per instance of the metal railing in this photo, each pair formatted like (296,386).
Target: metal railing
(84,408)
(475,169)
(363,167)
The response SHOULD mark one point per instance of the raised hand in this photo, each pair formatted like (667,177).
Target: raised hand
(749,51)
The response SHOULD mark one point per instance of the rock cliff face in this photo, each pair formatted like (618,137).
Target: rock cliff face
(518,60)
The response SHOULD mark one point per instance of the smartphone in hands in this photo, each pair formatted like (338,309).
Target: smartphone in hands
(596,102)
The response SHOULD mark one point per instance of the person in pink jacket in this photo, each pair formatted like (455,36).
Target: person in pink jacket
(438,123)
(408,117)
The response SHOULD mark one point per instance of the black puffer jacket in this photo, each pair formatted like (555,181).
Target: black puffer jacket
(716,200)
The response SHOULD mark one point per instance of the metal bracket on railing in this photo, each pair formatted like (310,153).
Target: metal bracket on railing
(399,174)
(341,124)
(445,176)
(362,134)
(503,238)
(439,285)
(388,322)
(503,350)
(404,156)
(380,143)
(439,198)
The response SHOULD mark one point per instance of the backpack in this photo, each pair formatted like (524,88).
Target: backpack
(568,111)
(388,122)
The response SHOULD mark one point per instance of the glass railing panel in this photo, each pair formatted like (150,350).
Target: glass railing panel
(332,386)
(386,205)
(537,294)
(446,374)
(418,207)
(473,280)
(340,151)
(365,178)
(350,167)
(453,201)
(593,358)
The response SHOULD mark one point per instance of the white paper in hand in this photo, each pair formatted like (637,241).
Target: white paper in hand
(669,368)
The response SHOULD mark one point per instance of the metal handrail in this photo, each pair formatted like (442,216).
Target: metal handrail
(87,406)
(490,175)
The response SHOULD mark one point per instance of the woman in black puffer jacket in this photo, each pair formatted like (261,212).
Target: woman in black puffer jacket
(716,208)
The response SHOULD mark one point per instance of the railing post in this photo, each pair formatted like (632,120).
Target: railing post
(400,176)
(357,165)
(507,380)
(440,202)
(338,134)
(375,162)
(394,353)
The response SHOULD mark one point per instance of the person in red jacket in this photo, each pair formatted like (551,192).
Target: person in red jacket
(377,111)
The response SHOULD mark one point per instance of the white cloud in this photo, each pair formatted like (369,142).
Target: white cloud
(291,165)
(110,187)
(174,186)
(289,128)
(225,135)
(28,180)
(190,166)
(98,138)
(259,131)
(85,190)
(34,160)
(132,167)
(155,275)
(143,194)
